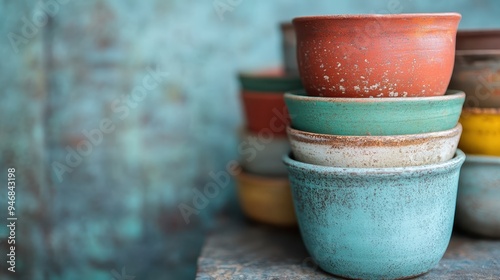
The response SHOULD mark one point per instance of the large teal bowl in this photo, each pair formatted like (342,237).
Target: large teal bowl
(375,223)
(374,116)
(478,205)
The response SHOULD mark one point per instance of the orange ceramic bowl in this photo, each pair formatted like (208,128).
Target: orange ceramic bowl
(376,55)
(266,199)
(266,113)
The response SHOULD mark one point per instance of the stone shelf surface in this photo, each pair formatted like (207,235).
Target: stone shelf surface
(250,251)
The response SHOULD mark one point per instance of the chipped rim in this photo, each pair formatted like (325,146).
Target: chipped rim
(399,172)
(301,95)
(376,16)
(371,140)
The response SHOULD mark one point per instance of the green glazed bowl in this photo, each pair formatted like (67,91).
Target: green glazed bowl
(374,116)
(478,204)
(270,80)
(375,223)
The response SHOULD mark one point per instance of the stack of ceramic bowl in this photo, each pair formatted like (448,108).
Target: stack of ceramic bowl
(374,166)
(477,72)
(263,186)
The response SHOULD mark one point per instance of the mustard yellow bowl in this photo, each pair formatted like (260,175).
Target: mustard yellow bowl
(266,199)
(481,131)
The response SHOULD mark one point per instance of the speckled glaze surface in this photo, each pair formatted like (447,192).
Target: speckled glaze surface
(374,116)
(265,113)
(289,44)
(478,39)
(269,81)
(374,151)
(399,55)
(266,200)
(481,131)
(478,74)
(375,223)
(478,204)
(265,157)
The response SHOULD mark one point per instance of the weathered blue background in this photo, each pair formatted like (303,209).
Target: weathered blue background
(118,207)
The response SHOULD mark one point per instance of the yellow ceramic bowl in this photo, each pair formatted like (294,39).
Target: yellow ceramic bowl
(481,131)
(266,200)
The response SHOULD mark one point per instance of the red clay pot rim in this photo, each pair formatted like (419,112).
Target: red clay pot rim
(377,16)
(449,95)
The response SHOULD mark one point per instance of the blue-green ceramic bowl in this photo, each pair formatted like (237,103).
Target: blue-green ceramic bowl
(478,205)
(374,116)
(375,223)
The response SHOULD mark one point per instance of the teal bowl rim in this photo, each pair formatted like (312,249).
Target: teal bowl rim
(402,172)
(473,158)
(301,95)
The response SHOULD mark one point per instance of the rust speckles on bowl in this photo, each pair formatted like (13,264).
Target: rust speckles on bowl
(374,151)
(376,55)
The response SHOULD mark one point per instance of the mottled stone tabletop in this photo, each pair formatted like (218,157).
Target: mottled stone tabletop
(251,251)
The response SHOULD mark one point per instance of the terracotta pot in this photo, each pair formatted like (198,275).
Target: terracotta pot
(376,55)
(269,80)
(289,44)
(266,114)
(478,39)
(266,200)
(477,73)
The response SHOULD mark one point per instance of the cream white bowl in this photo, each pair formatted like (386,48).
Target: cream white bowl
(263,155)
(374,151)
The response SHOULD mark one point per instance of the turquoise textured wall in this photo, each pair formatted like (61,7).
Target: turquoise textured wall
(114,113)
